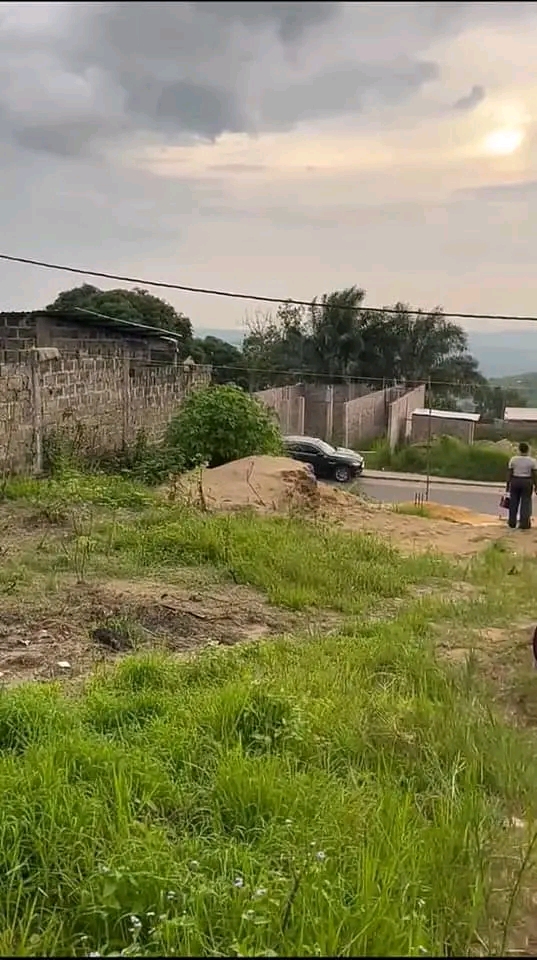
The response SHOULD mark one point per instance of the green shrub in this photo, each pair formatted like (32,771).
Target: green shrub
(220,424)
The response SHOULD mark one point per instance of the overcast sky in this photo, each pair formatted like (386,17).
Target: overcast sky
(287,149)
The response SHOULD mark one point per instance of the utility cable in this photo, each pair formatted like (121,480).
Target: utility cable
(250,296)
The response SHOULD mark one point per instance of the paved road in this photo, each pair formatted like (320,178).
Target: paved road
(479,499)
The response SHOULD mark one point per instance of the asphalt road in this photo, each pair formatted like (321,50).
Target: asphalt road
(479,499)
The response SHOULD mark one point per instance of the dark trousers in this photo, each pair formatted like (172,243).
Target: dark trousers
(520,493)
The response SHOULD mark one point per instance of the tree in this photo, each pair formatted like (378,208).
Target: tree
(136,305)
(339,338)
(223,423)
(278,348)
(337,332)
(226,360)
(491,400)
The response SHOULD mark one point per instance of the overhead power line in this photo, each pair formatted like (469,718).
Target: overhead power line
(247,296)
(408,382)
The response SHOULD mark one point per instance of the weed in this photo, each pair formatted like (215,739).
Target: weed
(447,457)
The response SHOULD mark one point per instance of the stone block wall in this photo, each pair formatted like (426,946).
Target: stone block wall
(107,401)
(16,418)
(73,336)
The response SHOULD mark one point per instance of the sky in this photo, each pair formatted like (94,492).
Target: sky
(285,149)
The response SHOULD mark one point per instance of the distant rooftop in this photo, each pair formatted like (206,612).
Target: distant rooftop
(446,414)
(514,414)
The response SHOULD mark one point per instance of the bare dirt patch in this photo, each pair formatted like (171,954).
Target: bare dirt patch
(54,637)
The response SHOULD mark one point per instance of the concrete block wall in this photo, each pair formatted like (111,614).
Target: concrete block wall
(424,427)
(343,394)
(344,414)
(288,403)
(21,332)
(319,412)
(366,417)
(16,418)
(106,401)
(400,415)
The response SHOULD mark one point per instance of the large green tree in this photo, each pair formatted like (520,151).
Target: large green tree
(337,337)
(226,360)
(137,305)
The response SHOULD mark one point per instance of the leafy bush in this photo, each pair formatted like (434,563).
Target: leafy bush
(220,424)
(448,457)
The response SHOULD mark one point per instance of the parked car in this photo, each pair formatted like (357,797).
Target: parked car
(328,462)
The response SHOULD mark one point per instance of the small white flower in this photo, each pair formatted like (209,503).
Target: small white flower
(249,915)
(238,882)
(163,916)
(261,892)
(288,822)
(171,895)
(150,913)
(136,923)
(193,864)
(103,868)
(320,856)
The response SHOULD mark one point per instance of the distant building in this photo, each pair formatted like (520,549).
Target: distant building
(520,414)
(443,423)
(523,419)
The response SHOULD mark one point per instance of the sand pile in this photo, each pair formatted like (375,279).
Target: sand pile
(266,484)
(441,511)
(281,485)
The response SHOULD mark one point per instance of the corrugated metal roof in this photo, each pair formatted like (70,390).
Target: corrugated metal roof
(447,414)
(520,413)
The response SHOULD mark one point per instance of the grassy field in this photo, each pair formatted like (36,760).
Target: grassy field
(314,794)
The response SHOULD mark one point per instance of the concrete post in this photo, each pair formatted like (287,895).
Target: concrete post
(39,355)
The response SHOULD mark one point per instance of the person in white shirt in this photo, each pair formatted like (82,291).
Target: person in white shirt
(521,482)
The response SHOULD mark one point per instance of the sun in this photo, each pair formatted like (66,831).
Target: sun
(504,141)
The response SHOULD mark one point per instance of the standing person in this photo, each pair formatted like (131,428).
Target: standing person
(521,482)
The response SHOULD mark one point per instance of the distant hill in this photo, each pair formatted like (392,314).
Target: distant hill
(504,353)
(525,383)
(230,336)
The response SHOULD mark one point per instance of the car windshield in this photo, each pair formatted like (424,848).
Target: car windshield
(325,447)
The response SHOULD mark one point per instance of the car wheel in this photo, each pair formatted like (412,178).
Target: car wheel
(342,474)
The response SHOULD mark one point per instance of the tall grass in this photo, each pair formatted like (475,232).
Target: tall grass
(338,797)
(296,564)
(447,457)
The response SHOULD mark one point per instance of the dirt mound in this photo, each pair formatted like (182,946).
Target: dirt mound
(266,484)
(281,485)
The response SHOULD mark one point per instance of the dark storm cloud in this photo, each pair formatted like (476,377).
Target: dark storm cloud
(106,71)
(76,76)
(473,99)
(344,90)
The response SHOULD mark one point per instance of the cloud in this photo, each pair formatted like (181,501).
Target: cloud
(75,76)
(473,99)
(522,190)
(287,148)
